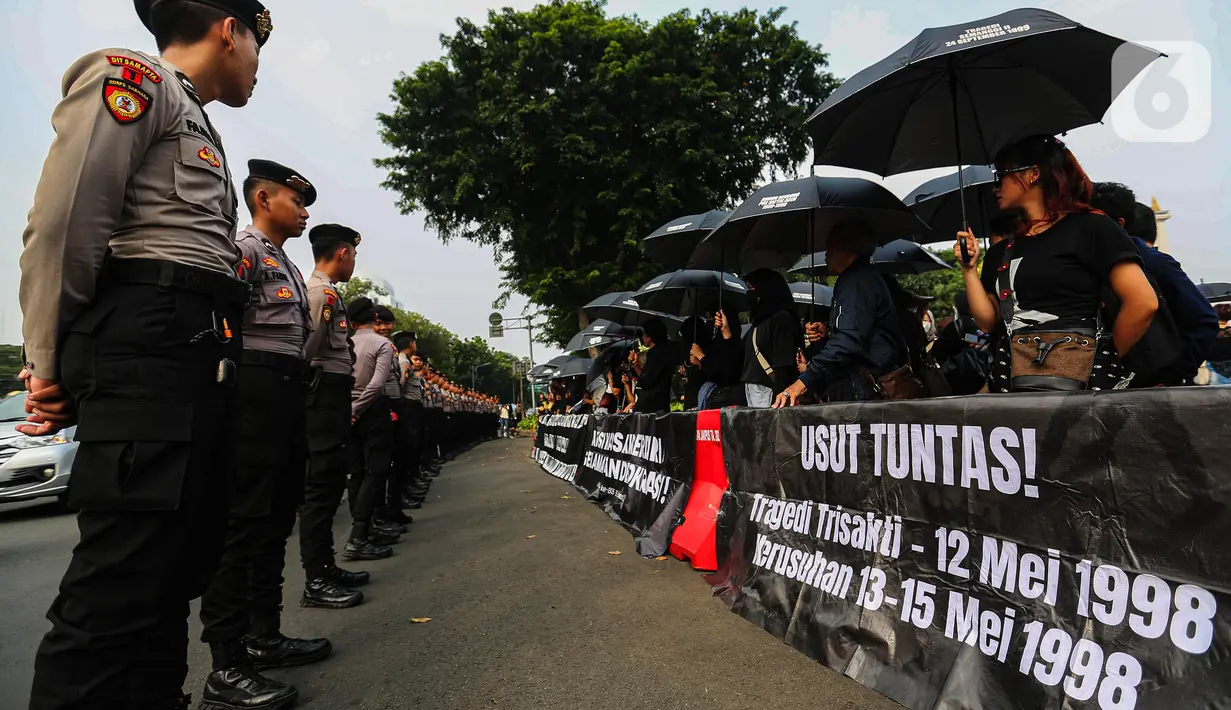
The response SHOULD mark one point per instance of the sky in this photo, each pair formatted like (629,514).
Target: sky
(328,70)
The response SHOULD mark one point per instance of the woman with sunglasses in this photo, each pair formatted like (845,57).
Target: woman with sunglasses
(1054,270)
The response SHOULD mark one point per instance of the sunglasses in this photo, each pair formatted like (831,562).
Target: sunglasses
(998,175)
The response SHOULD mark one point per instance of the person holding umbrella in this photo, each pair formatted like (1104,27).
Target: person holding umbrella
(654,373)
(864,352)
(769,349)
(1045,284)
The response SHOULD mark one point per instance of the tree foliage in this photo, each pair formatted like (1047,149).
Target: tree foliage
(455,357)
(560,136)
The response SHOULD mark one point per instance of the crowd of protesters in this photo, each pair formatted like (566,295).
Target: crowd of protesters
(1069,293)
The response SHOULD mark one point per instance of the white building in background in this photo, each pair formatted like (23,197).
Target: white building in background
(390,299)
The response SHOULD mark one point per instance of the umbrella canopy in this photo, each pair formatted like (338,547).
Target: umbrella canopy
(620,307)
(672,243)
(576,367)
(692,292)
(599,333)
(1216,292)
(938,202)
(541,373)
(956,95)
(811,299)
(559,361)
(784,220)
(896,257)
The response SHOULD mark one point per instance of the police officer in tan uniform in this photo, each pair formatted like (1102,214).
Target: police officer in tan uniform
(132,327)
(241,610)
(331,357)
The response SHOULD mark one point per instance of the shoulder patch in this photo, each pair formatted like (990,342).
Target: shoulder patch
(125,102)
(269,261)
(134,70)
(209,156)
(331,296)
(327,314)
(284,293)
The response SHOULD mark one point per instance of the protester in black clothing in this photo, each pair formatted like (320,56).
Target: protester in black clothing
(1055,268)
(694,332)
(776,335)
(864,337)
(654,376)
(963,351)
(720,362)
(1194,317)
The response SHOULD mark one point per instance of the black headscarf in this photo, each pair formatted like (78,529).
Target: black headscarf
(772,294)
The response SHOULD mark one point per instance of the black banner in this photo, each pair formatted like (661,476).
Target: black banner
(637,467)
(999,551)
(559,443)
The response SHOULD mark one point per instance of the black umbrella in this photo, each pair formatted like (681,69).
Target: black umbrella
(559,361)
(621,307)
(599,333)
(541,373)
(784,220)
(692,292)
(811,299)
(575,367)
(672,243)
(1216,292)
(938,202)
(897,257)
(956,95)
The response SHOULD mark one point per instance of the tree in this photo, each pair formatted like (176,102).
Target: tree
(560,136)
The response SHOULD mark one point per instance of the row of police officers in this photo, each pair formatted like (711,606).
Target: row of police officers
(217,393)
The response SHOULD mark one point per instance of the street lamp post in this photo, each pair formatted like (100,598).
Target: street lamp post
(475,370)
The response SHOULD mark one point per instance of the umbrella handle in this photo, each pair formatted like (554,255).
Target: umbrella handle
(961,179)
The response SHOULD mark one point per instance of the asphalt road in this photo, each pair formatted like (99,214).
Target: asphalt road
(548,622)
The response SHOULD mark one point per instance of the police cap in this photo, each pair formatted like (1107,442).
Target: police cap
(251,13)
(326,234)
(384,314)
(279,174)
(361,311)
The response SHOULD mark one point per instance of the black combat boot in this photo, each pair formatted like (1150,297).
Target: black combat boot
(235,684)
(361,547)
(324,593)
(346,578)
(278,651)
(410,503)
(384,539)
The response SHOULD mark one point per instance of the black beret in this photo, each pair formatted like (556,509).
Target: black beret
(250,12)
(384,314)
(361,311)
(326,234)
(282,175)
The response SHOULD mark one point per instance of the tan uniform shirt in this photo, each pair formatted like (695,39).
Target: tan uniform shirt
(393,384)
(277,319)
(135,168)
(371,372)
(329,344)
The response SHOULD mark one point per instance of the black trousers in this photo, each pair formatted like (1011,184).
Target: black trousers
(329,432)
(246,594)
(371,455)
(156,446)
(408,437)
(431,437)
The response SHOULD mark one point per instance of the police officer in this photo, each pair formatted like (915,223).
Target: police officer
(389,510)
(330,359)
(410,418)
(132,327)
(241,610)
(371,452)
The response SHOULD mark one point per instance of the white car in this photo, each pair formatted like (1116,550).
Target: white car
(32,466)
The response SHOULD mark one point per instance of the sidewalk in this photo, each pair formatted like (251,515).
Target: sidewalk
(549,622)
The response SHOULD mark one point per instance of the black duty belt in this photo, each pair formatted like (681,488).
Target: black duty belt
(276,361)
(170,275)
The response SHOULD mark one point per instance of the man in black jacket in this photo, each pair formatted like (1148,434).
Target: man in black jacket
(864,341)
